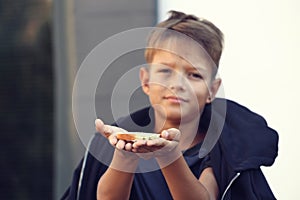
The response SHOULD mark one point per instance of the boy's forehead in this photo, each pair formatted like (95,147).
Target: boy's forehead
(187,49)
(187,60)
(162,58)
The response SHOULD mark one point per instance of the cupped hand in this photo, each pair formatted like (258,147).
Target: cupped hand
(159,147)
(123,160)
(110,133)
(162,147)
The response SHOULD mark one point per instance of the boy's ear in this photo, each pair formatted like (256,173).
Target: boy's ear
(214,87)
(144,78)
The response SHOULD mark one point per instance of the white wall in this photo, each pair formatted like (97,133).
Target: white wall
(259,67)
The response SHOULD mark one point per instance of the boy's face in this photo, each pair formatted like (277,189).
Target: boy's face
(177,90)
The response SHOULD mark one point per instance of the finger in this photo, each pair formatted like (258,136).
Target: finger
(113,140)
(115,129)
(128,146)
(99,125)
(171,134)
(107,130)
(156,142)
(139,143)
(102,128)
(120,144)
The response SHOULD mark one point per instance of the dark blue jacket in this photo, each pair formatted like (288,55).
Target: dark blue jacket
(245,144)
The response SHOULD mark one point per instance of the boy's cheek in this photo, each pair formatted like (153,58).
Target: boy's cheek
(158,81)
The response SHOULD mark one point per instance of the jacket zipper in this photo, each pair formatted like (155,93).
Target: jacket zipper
(229,185)
(83,167)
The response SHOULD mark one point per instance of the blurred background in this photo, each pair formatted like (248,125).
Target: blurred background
(27,100)
(44,42)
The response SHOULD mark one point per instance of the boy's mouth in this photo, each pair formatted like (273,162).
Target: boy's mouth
(175,99)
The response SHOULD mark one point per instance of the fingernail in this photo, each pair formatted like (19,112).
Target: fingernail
(97,121)
(165,133)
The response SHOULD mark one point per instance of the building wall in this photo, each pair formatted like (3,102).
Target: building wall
(87,24)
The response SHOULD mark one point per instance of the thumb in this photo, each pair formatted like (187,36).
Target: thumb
(171,134)
(101,128)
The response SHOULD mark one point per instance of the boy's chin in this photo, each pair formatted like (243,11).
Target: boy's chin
(182,116)
(178,115)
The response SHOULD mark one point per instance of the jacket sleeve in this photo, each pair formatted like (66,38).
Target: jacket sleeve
(89,171)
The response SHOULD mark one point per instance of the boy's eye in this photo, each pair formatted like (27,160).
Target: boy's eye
(195,76)
(164,70)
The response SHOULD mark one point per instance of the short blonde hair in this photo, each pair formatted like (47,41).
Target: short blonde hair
(202,31)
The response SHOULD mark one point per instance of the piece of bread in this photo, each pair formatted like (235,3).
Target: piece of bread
(132,136)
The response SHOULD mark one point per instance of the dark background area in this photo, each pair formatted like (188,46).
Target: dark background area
(39,149)
(26,102)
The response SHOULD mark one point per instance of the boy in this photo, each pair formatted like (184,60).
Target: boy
(183,55)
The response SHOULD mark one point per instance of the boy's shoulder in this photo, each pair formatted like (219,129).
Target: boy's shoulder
(140,120)
(246,139)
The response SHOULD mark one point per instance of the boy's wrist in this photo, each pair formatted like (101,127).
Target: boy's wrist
(168,158)
(124,161)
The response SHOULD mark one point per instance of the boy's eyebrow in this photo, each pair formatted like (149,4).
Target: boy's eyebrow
(196,67)
(190,66)
(165,63)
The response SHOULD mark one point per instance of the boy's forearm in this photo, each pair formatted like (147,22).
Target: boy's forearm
(181,181)
(116,182)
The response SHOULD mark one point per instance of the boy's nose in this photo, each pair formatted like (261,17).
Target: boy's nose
(177,82)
